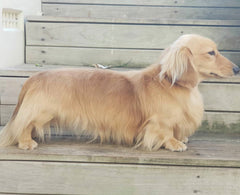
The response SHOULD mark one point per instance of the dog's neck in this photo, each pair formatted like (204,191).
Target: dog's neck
(154,70)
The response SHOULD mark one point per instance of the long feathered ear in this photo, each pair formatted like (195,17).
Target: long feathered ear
(177,67)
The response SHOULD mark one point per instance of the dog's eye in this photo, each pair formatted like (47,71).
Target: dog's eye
(212,53)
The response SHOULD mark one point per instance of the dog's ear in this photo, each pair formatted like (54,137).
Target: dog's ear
(177,67)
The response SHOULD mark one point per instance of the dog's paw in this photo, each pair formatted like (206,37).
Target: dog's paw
(27,145)
(175,145)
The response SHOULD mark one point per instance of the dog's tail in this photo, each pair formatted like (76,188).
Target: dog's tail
(10,133)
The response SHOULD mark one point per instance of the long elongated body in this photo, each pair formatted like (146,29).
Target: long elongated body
(159,106)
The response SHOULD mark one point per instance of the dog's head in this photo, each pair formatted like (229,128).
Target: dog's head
(193,58)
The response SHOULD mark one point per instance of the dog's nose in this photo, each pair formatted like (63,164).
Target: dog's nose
(236,69)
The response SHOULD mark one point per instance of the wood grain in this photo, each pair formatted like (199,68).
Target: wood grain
(220,97)
(124,36)
(70,56)
(10,88)
(202,151)
(84,178)
(139,12)
(205,3)
(163,21)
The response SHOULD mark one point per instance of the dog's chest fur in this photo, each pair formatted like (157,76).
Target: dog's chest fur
(190,114)
(177,110)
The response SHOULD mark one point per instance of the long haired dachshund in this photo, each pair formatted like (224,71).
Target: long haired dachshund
(159,106)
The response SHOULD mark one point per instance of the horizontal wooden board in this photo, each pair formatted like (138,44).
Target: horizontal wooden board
(204,3)
(90,56)
(9,89)
(124,36)
(221,97)
(87,56)
(139,12)
(6,113)
(78,178)
(163,21)
(203,151)
(26,70)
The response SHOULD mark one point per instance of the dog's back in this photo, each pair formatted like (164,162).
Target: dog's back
(78,99)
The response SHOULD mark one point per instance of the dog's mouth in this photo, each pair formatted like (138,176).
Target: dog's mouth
(216,75)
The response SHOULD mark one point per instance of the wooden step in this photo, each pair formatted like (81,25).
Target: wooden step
(220,10)
(211,165)
(118,41)
(222,107)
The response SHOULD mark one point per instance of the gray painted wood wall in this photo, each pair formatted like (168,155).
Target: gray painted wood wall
(127,33)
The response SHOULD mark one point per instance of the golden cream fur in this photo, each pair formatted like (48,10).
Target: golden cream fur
(159,106)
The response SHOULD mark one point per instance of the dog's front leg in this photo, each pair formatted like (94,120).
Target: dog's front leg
(175,145)
(157,135)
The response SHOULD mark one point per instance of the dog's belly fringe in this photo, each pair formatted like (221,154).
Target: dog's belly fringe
(119,129)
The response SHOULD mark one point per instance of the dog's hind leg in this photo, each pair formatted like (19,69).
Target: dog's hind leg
(25,140)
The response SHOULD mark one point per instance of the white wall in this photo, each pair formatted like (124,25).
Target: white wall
(12,42)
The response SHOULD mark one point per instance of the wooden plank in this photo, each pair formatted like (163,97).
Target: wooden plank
(203,150)
(26,70)
(163,21)
(131,58)
(204,3)
(88,56)
(77,178)
(220,123)
(124,36)
(222,118)
(221,97)
(9,89)
(6,113)
(139,12)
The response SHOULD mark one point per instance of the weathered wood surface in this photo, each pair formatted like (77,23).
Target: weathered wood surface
(72,167)
(220,97)
(140,12)
(191,3)
(77,178)
(163,21)
(202,151)
(10,88)
(124,36)
(88,56)
(125,42)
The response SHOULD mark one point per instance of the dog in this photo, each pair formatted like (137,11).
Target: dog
(156,107)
